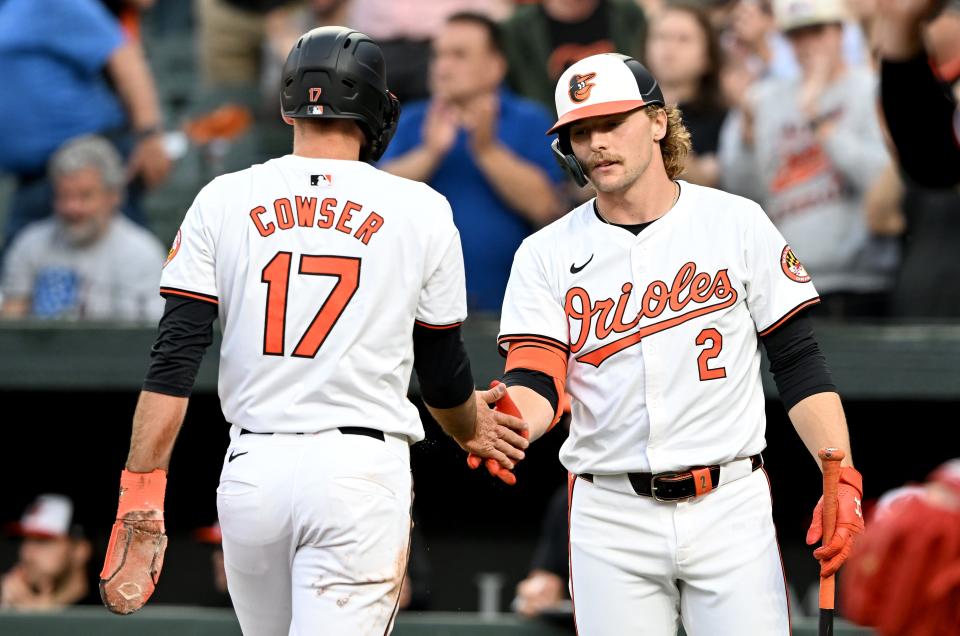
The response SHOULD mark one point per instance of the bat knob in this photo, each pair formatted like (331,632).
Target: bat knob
(831,454)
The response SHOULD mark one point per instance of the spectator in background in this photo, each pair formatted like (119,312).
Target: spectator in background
(68,71)
(683,53)
(231,40)
(52,570)
(483,148)
(808,150)
(543,39)
(545,587)
(404,30)
(87,261)
(923,118)
(282,28)
(928,219)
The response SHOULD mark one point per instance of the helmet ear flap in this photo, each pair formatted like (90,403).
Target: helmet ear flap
(563,153)
(378,144)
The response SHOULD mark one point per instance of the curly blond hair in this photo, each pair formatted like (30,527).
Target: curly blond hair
(675,145)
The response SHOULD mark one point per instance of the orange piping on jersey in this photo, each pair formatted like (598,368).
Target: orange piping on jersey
(571,481)
(597,356)
(504,341)
(429,326)
(195,295)
(545,359)
(790,314)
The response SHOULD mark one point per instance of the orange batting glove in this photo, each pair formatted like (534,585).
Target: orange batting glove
(137,543)
(849,523)
(504,405)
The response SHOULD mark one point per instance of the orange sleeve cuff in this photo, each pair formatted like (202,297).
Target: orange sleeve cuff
(545,359)
(141,491)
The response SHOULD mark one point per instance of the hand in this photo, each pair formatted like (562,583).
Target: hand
(149,159)
(16,592)
(849,523)
(504,405)
(137,544)
(815,83)
(439,128)
(479,118)
(496,435)
(538,592)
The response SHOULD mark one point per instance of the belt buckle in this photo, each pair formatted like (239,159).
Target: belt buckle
(653,488)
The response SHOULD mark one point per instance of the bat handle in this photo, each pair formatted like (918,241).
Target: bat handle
(830,459)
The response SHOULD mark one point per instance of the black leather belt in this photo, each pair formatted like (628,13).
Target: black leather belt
(681,485)
(346,430)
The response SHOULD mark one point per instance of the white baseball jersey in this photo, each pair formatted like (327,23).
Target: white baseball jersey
(660,329)
(320,268)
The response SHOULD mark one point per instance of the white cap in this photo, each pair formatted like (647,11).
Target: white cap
(47,516)
(603,84)
(796,14)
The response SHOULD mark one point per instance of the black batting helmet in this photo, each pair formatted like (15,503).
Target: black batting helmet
(337,73)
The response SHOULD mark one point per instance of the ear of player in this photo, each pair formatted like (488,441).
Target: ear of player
(504,405)
(849,523)
(134,557)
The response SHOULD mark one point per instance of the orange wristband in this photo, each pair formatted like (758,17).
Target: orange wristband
(142,491)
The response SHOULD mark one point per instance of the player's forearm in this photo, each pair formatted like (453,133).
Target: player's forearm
(156,423)
(820,423)
(536,410)
(523,186)
(458,422)
(418,165)
(130,73)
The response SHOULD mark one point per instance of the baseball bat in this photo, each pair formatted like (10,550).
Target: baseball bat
(830,459)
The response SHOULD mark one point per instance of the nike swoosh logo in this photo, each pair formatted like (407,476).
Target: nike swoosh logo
(576,270)
(235,454)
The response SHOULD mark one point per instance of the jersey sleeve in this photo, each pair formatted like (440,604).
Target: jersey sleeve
(532,311)
(189,270)
(777,284)
(443,298)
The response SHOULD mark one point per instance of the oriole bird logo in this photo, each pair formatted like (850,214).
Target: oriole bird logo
(580,87)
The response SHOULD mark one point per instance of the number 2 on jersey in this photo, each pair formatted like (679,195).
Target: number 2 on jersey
(346,269)
(716,344)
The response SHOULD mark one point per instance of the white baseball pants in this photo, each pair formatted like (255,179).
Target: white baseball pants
(639,566)
(316,531)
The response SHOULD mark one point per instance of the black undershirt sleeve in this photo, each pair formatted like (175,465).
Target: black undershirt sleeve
(184,333)
(537,381)
(798,366)
(442,366)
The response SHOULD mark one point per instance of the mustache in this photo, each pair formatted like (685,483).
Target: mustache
(595,160)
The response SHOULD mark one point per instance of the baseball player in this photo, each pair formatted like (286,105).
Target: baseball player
(332,281)
(645,306)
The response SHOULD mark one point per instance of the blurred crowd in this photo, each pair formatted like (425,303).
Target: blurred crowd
(781,97)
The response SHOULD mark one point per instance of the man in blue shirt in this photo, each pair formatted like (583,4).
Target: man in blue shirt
(482,147)
(68,71)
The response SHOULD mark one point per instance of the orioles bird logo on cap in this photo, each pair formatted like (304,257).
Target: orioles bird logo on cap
(580,86)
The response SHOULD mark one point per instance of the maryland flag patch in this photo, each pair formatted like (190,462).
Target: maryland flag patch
(173,249)
(792,266)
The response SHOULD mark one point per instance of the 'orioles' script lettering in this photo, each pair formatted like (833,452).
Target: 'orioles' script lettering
(308,213)
(605,316)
